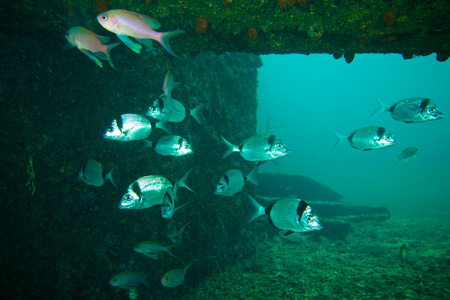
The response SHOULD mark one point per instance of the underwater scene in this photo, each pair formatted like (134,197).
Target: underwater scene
(142,161)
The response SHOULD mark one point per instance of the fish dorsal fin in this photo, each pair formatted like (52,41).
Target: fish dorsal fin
(154,24)
(424,104)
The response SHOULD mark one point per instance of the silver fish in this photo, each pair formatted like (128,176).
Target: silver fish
(92,173)
(170,145)
(368,138)
(129,127)
(145,192)
(292,214)
(406,154)
(233,181)
(412,110)
(149,191)
(160,109)
(258,148)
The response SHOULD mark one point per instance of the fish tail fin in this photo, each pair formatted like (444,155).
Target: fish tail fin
(180,234)
(146,144)
(340,139)
(165,37)
(168,250)
(380,109)
(230,148)
(110,177)
(259,210)
(168,93)
(251,177)
(162,124)
(182,181)
(195,112)
(108,55)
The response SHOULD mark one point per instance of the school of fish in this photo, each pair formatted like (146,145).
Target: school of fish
(291,215)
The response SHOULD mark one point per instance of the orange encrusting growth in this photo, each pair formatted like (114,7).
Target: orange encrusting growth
(286,3)
(252,34)
(101,6)
(389,18)
(201,25)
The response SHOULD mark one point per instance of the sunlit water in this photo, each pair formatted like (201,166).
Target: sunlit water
(303,99)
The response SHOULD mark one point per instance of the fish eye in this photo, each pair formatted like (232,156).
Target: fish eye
(110,129)
(114,280)
(67,34)
(432,109)
(104,17)
(127,197)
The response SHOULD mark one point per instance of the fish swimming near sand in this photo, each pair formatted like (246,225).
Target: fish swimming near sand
(126,24)
(412,110)
(368,138)
(91,44)
(290,214)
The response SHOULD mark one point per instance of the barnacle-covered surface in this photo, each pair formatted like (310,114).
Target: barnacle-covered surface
(67,239)
(308,26)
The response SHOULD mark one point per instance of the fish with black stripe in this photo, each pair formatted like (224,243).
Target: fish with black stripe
(261,147)
(290,214)
(368,138)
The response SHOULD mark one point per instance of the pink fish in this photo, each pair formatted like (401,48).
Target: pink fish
(91,44)
(127,24)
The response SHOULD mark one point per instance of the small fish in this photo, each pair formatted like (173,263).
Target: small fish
(129,127)
(92,173)
(128,280)
(403,255)
(170,145)
(145,192)
(153,249)
(174,277)
(368,138)
(258,148)
(127,24)
(149,191)
(412,110)
(161,108)
(168,205)
(233,181)
(291,214)
(406,154)
(91,44)
(173,234)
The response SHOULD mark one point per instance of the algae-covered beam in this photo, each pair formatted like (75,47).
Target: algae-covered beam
(268,26)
